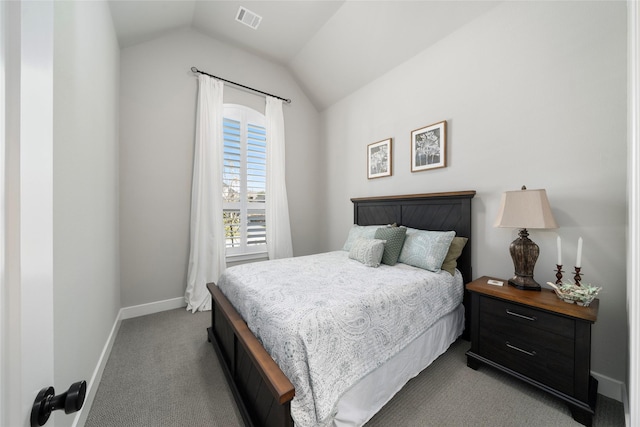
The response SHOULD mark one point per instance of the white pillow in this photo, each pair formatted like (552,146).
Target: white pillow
(367,251)
(426,249)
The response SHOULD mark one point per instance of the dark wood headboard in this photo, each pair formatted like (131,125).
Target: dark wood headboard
(434,211)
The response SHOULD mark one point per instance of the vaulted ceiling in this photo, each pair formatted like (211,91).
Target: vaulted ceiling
(332,48)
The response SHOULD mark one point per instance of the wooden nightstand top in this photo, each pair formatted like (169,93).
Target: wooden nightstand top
(546,299)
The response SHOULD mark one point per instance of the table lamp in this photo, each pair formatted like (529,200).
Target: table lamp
(525,209)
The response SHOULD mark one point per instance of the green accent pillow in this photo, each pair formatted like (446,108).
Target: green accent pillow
(395,239)
(426,249)
(367,251)
(455,250)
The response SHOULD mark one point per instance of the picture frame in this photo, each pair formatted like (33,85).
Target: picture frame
(379,159)
(429,147)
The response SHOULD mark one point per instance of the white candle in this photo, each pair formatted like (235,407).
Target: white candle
(579,258)
(559,251)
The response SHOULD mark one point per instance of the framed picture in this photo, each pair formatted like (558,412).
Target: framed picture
(379,159)
(429,147)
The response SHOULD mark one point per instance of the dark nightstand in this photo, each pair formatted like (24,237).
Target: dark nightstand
(538,338)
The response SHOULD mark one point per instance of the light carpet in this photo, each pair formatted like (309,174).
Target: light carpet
(163,372)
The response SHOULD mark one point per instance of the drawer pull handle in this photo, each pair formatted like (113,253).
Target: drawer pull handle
(529,353)
(522,316)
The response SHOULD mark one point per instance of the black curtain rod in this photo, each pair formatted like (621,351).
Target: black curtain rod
(195,70)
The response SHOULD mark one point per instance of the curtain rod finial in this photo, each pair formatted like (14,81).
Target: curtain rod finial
(194,70)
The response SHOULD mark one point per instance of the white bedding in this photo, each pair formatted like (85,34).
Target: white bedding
(362,401)
(328,320)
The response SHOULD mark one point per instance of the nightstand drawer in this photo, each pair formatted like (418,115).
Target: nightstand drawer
(534,358)
(553,344)
(522,315)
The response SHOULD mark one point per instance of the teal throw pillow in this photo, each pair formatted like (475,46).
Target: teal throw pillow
(426,249)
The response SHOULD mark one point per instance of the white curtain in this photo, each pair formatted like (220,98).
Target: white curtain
(277,207)
(207,255)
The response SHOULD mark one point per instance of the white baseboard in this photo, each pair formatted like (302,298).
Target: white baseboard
(124,313)
(609,387)
(152,307)
(92,386)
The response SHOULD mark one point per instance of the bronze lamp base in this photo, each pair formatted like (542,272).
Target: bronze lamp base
(524,283)
(524,253)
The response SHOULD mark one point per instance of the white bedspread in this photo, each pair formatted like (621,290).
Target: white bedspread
(328,320)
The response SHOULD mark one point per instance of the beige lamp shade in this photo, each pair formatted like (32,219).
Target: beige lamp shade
(525,209)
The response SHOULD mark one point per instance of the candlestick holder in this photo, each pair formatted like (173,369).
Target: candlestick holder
(577,276)
(559,272)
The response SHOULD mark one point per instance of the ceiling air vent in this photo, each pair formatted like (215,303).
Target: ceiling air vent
(248,18)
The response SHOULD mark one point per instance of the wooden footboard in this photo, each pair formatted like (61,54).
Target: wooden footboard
(261,390)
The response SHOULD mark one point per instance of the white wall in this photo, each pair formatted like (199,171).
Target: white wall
(633,269)
(85,190)
(534,94)
(157,116)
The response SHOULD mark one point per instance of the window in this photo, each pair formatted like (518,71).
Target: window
(244,180)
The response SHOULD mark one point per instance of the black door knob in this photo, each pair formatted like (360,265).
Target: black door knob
(46,402)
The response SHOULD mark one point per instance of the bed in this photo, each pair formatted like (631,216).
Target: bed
(264,393)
